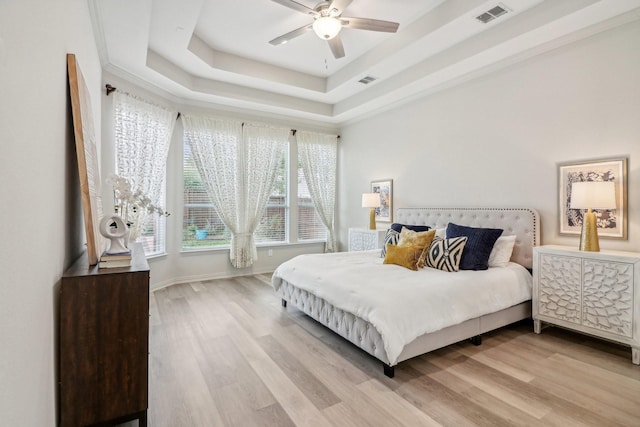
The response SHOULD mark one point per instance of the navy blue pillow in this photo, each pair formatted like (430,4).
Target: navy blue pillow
(480,241)
(398,227)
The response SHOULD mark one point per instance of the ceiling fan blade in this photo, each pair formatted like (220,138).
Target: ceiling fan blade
(337,48)
(291,35)
(297,7)
(341,5)
(369,24)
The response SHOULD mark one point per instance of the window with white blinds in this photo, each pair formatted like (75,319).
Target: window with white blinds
(201,225)
(273,224)
(142,134)
(202,228)
(309,225)
(154,234)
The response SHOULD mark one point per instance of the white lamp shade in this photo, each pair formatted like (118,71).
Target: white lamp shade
(593,195)
(327,27)
(370,200)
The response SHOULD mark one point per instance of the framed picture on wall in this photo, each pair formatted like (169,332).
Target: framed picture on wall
(612,223)
(385,188)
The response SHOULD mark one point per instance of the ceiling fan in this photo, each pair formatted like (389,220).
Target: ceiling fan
(328,21)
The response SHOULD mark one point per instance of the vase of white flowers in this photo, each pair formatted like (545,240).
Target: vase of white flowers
(133,205)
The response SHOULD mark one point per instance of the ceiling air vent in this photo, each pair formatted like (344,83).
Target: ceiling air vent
(367,79)
(492,13)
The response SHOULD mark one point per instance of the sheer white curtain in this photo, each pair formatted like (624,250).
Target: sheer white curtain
(317,153)
(263,148)
(142,137)
(214,144)
(238,166)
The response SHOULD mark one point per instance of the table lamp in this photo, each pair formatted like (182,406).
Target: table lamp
(592,195)
(372,201)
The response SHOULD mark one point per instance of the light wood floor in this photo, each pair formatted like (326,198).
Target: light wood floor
(225,353)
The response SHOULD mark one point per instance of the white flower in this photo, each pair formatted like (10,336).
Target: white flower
(128,200)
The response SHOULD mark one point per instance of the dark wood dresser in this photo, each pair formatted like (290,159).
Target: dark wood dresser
(104,343)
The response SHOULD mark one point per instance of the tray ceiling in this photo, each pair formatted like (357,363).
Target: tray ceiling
(217,51)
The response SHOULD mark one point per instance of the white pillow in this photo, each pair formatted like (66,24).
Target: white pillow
(501,252)
(441,232)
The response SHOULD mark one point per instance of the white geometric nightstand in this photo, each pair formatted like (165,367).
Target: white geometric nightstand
(591,292)
(363,239)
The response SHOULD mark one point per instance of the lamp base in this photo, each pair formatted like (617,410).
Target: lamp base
(372,219)
(589,237)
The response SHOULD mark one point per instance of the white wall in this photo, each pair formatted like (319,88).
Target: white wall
(40,193)
(496,140)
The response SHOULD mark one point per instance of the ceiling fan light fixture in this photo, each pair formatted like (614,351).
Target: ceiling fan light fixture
(327,27)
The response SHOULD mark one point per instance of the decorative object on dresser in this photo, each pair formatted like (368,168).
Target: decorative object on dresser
(384,188)
(592,195)
(371,201)
(107,262)
(591,292)
(132,205)
(117,254)
(104,343)
(361,239)
(116,231)
(611,223)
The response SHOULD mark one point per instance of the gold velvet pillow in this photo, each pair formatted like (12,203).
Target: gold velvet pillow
(415,238)
(406,256)
(422,260)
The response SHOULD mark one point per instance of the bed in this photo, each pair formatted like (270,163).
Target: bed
(346,291)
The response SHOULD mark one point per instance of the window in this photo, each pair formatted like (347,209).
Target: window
(142,133)
(201,225)
(273,224)
(317,154)
(153,233)
(202,228)
(310,226)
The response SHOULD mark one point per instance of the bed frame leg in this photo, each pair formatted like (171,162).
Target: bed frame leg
(389,371)
(284,303)
(477,340)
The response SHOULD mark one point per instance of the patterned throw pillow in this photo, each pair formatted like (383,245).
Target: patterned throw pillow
(405,256)
(392,237)
(445,254)
(415,238)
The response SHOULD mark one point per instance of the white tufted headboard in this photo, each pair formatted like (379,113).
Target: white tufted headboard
(523,222)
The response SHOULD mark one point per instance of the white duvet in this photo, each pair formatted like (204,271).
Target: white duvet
(400,303)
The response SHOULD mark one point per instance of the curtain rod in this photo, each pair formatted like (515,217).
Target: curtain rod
(110,89)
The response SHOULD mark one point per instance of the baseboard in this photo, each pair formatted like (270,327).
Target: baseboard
(203,277)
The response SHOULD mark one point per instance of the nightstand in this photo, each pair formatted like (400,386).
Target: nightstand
(363,239)
(590,292)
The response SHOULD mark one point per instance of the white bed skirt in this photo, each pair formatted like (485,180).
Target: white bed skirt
(364,335)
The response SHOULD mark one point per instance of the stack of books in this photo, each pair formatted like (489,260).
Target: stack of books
(120,259)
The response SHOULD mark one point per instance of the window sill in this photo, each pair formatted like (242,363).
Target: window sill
(156,255)
(259,246)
